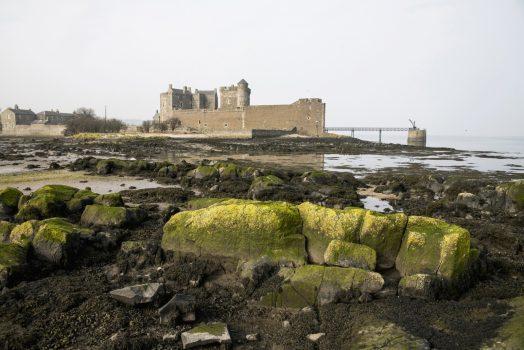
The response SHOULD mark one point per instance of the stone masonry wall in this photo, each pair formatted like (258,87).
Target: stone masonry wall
(35,130)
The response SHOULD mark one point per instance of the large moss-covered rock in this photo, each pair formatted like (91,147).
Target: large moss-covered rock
(12,261)
(383,233)
(434,247)
(203,173)
(80,200)
(24,233)
(418,286)
(110,199)
(5,230)
(346,254)
(97,215)
(263,186)
(312,285)
(321,225)
(227,170)
(9,197)
(46,202)
(239,228)
(56,240)
(512,195)
(200,203)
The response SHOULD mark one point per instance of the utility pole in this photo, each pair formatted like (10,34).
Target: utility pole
(105,118)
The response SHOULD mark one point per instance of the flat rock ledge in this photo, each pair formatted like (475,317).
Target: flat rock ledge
(210,333)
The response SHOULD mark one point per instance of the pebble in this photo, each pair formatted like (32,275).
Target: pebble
(315,337)
(252,337)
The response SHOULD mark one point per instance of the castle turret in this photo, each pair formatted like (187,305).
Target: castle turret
(243,94)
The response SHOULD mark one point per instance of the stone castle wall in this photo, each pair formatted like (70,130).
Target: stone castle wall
(306,115)
(34,130)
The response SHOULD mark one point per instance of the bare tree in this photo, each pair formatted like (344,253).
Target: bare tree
(146,125)
(84,111)
(173,123)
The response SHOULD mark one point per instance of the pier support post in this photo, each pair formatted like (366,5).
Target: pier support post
(417,137)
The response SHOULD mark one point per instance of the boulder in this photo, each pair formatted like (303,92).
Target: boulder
(345,254)
(321,225)
(469,200)
(382,335)
(46,202)
(56,240)
(110,199)
(418,286)
(319,178)
(383,233)
(227,170)
(312,285)
(24,233)
(180,305)
(199,203)
(253,272)
(9,198)
(203,173)
(80,200)
(511,194)
(263,186)
(241,229)
(434,247)
(97,215)
(12,261)
(205,334)
(5,230)
(138,294)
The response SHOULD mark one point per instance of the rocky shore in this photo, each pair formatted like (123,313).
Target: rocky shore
(249,255)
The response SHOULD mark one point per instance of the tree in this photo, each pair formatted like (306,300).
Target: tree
(173,123)
(163,127)
(86,121)
(84,111)
(146,125)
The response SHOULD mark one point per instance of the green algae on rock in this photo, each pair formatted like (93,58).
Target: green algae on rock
(263,184)
(227,170)
(56,240)
(5,230)
(382,335)
(80,200)
(110,199)
(511,335)
(346,254)
(514,194)
(383,232)
(46,202)
(9,198)
(419,286)
(104,216)
(12,260)
(432,246)
(203,172)
(200,203)
(321,225)
(312,285)
(239,228)
(24,233)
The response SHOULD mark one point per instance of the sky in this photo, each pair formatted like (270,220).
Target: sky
(455,66)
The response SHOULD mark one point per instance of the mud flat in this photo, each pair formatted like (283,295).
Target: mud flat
(191,253)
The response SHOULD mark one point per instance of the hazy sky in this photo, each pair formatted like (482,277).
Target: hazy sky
(453,65)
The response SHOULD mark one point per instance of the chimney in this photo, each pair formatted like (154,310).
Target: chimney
(16,106)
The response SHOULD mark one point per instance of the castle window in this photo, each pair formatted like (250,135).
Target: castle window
(308,117)
(225,125)
(199,122)
(205,124)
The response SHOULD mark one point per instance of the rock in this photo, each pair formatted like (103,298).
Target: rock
(227,170)
(24,233)
(12,261)
(345,254)
(5,230)
(511,195)
(138,294)
(385,336)
(98,215)
(239,228)
(312,285)
(319,177)
(54,166)
(511,335)
(252,337)
(110,199)
(46,202)
(469,200)
(419,286)
(286,324)
(180,305)
(203,173)
(315,337)
(200,203)
(56,240)
(9,198)
(210,333)
(383,233)
(171,337)
(80,200)
(128,247)
(255,271)
(434,247)
(321,225)
(262,186)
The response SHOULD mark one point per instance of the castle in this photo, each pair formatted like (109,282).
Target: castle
(25,122)
(200,111)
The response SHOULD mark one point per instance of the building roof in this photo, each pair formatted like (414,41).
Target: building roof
(55,113)
(17,111)
(206,92)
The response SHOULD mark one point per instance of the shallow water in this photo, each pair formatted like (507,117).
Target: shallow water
(376,204)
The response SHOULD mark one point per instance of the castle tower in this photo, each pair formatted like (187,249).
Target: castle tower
(243,94)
